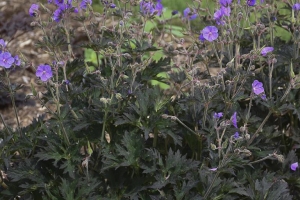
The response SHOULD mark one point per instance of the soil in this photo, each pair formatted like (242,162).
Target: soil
(16,30)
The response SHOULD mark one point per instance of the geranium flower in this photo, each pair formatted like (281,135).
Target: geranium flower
(17,60)
(266,50)
(33,10)
(296,6)
(201,38)
(2,43)
(294,166)
(251,2)
(234,120)
(149,8)
(210,33)
(84,4)
(112,5)
(257,87)
(58,14)
(218,16)
(44,72)
(6,60)
(225,2)
(189,15)
(218,115)
(236,135)
(174,12)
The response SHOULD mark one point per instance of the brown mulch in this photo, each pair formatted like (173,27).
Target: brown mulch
(16,29)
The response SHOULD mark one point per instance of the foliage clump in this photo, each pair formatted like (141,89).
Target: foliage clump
(144,117)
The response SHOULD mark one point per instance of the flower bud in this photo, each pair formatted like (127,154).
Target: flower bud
(118,96)
(247,136)
(279,157)
(213,146)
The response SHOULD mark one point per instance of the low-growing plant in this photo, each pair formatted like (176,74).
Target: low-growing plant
(113,134)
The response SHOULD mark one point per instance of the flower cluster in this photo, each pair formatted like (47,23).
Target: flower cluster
(62,7)
(222,12)
(85,3)
(189,15)
(6,59)
(150,8)
(251,2)
(218,115)
(33,10)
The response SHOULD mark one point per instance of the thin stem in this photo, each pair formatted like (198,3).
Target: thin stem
(178,120)
(104,124)
(271,67)
(12,97)
(218,172)
(265,158)
(5,125)
(259,128)
(64,132)
(68,40)
(155,138)
(286,92)
(250,105)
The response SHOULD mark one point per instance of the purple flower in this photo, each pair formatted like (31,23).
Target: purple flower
(266,50)
(257,87)
(218,16)
(213,169)
(236,135)
(210,33)
(2,43)
(17,60)
(218,115)
(294,166)
(234,120)
(189,15)
(44,72)
(159,8)
(59,2)
(84,4)
(50,1)
(201,38)
(296,6)
(58,14)
(149,8)
(33,10)
(225,2)
(6,60)
(174,12)
(67,82)
(251,2)
(112,5)
(226,10)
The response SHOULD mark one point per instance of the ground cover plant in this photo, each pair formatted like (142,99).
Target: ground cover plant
(141,116)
